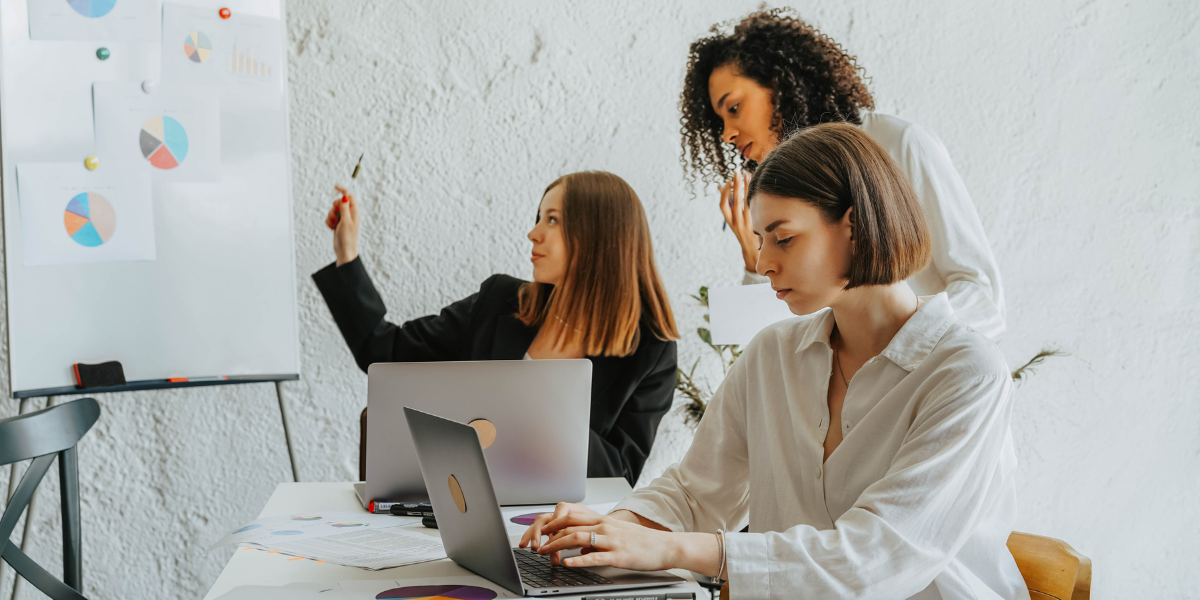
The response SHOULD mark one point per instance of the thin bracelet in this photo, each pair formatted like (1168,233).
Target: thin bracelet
(721,549)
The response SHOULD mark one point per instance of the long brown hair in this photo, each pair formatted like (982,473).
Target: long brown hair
(836,167)
(611,278)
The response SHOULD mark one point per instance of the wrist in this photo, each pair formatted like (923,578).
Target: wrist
(696,552)
(345,257)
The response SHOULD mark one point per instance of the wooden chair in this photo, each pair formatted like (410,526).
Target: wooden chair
(1052,569)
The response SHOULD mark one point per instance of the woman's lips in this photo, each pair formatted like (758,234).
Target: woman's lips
(746,150)
(536,256)
(781,293)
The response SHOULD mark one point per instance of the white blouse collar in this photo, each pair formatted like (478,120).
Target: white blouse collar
(911,345)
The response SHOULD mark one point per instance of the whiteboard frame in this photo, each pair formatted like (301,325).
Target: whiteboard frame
(10,208)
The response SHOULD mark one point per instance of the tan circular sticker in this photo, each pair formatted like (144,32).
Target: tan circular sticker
(487,431)
(456,492)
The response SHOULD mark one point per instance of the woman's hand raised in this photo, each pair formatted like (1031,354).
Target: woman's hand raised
(737,216)
(343,220)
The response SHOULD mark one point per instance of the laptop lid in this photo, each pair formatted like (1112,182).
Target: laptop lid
(507,400)
(469,519)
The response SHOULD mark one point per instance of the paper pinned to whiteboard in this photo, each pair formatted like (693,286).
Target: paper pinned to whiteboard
(98,20)
(738,313)
(173,134)
(243,55)
(70,215)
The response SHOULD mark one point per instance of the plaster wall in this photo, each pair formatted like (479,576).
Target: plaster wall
(1072,123)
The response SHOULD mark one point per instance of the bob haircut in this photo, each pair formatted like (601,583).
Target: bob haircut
(836,167)
(611,283)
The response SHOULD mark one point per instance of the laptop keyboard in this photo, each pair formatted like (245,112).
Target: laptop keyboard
(536,572)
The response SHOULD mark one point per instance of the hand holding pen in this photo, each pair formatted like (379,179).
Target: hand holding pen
(343,220)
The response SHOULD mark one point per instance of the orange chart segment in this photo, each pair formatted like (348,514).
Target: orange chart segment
(73,222)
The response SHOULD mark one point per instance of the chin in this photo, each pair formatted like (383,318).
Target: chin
(803,306)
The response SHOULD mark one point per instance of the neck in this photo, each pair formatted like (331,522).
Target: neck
(867,318)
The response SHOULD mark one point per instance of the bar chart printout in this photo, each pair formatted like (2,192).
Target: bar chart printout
(246,62)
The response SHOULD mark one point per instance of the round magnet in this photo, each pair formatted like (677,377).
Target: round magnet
(102,53)
(92,162)
(225,13)
(148,86)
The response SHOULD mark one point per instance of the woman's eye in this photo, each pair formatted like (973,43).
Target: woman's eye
(553,220)
(733,109)
(784,241)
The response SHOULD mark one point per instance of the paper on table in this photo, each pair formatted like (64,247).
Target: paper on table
(483,589)
(174,134)
(99,20)
(368,549)
(243,55)
(302,526)
(291,591)
(738,313)
(72,215)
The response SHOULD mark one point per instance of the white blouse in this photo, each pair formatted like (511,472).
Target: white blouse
(962,265)
(917,501)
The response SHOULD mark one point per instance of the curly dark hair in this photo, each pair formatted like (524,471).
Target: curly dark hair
(813,79)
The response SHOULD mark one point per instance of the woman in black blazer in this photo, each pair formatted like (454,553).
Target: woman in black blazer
(595,293)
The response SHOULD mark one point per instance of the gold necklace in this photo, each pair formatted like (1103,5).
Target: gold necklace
(838,360)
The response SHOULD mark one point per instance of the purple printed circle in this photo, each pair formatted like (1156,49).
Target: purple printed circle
(448,592)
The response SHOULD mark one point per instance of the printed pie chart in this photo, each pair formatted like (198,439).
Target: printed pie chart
(197,47)
(287,532)
(90,219)
(164,142)
(92,8)
(340,525)
(437,592)
(305,518)
(525,519)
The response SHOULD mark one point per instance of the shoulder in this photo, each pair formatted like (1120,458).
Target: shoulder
(966,369)
(900,137)
(501,289)
(654,351)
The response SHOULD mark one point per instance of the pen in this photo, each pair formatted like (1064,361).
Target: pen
(674,596)
(354,175)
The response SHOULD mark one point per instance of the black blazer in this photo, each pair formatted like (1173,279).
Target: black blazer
(630,394)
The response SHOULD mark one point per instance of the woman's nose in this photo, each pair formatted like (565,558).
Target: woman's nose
(729,134)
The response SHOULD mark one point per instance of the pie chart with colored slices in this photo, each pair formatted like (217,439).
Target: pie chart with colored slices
(164,142)
(92,8)
(197,47)
(90,219)
(437,592)
(525,519)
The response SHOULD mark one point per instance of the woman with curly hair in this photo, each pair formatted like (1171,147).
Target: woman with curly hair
(773,74)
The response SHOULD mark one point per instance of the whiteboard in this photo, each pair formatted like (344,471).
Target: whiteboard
(218,302)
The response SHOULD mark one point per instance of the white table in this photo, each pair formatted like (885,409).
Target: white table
(255,567)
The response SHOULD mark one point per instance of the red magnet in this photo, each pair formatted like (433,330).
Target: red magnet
(225,14)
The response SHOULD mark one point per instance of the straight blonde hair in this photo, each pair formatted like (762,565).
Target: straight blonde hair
(611,279)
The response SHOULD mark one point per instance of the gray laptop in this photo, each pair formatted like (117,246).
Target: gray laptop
(509,401)
(472,526)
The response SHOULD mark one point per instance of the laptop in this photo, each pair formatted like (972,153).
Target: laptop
(472,526)
(508,401)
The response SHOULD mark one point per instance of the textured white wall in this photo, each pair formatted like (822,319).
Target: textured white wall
(1073,124)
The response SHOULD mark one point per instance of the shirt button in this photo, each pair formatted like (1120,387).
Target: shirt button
(819,473)
(849,425)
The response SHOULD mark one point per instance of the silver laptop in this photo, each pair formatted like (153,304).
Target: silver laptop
(472,527)
(509,401)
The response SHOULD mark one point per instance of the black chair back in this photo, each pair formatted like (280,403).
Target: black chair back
(43,436)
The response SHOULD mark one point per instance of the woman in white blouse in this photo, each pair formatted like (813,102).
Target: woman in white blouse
(867,444)
(774,73)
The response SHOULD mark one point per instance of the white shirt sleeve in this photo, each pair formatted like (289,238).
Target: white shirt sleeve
(709,488)
(905,528)
(751,278)
(961,254)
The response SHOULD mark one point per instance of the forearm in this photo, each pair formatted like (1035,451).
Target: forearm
(632,517)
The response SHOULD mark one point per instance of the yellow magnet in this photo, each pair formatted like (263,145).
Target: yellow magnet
(92,163)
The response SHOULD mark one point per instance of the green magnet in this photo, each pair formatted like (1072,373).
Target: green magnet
(103,53)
